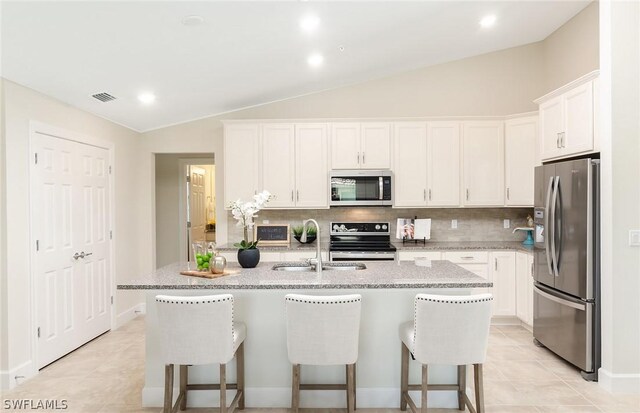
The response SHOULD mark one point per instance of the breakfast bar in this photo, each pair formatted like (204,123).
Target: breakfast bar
(387,288)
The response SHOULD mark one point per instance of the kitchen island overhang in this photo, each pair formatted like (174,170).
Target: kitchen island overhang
(388,290)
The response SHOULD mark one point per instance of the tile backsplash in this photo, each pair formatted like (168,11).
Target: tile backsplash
(474,224)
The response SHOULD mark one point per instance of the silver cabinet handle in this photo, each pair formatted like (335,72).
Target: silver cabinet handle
(466,258)
(558,140)
(496,264)
(532,269)
(429,194)
(88,253)
(562,145)
(297,195)
(507,193)
(292,195)
(76,256)
(363,161)
(424,194)
(358,158)
(467,194)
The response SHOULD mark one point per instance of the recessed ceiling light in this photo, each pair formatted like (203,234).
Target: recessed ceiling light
(193,21)
(147,98)
(341,48)
(488,21)
(315,60)
(309,23)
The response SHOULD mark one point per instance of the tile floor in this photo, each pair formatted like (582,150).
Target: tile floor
(107,375)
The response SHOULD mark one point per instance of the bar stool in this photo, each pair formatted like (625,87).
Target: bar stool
(323,331)
(451,330)
(200,330)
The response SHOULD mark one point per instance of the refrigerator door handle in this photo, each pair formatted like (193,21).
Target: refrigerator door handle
(557,229)
(547,228)
(569,303)
(554,200)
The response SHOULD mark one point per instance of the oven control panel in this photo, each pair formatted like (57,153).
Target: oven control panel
(381,228)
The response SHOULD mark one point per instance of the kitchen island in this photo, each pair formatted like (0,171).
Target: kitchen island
(387,289)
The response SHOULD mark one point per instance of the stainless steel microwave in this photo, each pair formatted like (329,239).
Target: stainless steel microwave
(360,187)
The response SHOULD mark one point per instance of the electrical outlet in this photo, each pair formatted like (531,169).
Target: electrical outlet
(454,224)
(265,221)
(634,238)
(506,223)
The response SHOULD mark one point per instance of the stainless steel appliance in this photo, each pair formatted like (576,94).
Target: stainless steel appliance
(567,262)
(360,188)
(361,241)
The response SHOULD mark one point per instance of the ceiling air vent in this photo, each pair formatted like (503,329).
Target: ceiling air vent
(104,97)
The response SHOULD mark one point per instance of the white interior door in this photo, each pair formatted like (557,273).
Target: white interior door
(197,203)
(70,223)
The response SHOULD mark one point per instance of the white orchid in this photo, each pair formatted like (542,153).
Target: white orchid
(245,212)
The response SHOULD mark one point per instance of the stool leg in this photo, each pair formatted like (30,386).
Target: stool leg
(425,379)
(240,374)
(404,377)
(351,389)
(462,386)
(355,386)
(168,388)
(295,388)
(184,378)
(479,387)
(223,388)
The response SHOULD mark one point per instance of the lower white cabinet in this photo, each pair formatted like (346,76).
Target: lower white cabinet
(524,287)
(503,275)
(412,255)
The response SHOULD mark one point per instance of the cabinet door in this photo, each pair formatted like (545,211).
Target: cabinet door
(410,164)
(443,164)
(241,162)
(375,145)
(503,268)
(312,177)
(345,146)
(551,127)
(520,142)
(278,167)
(578,120)
(530,281)
(523,301)
(483,163)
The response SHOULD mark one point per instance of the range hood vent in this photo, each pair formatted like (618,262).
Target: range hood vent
(104,97)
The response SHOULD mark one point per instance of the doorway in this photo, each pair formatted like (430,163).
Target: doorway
(185,204)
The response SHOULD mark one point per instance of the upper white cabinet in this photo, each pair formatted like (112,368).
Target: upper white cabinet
(360,145)
(567,118)
(483,163)
(242,160)
(294,165)
(443,164)
(410,164)
(520,159)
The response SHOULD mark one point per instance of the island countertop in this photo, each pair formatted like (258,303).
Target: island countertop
(377,275)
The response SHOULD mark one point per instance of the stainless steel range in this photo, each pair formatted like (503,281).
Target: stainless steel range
(361,241)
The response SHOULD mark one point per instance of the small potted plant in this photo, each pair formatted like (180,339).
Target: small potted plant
(244,213)
(311,234)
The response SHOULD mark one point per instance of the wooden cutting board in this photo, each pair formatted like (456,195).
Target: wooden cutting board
(207,274)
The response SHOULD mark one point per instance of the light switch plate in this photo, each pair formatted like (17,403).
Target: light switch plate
(454,224)
(506,223)
(634,238)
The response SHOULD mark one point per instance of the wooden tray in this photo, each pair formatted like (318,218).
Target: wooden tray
(207,274)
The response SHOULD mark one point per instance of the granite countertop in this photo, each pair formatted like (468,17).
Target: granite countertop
(429,246)
(383,275)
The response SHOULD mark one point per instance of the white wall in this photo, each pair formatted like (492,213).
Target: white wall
(620,130)
(23,105)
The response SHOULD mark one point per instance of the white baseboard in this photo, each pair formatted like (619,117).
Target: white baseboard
(12,378)
(280,397)
(129,314)
(619,383)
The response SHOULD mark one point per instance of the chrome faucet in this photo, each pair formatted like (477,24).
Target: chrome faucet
(303,238)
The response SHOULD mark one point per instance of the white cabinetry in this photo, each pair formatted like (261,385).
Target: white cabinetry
(524,287)
(294,165)
(410,164)
(242,161)
(503,275)
(520,159)
(360,145)
(567,117)
(483,163)
(408,255)
(443,164)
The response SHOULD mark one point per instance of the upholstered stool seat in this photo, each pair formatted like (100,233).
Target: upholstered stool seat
(200,330)
(323,331)
(450,330)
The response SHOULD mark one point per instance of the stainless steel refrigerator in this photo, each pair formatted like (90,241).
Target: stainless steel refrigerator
(567,262)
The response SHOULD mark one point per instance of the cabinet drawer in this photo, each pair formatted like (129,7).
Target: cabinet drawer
(411,255)
(467,257)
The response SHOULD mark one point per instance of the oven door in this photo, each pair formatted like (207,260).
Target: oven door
(360,188)
(362,255)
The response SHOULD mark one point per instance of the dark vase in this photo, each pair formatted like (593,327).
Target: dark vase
(249,258)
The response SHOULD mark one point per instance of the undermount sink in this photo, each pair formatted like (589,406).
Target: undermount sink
(296,267)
